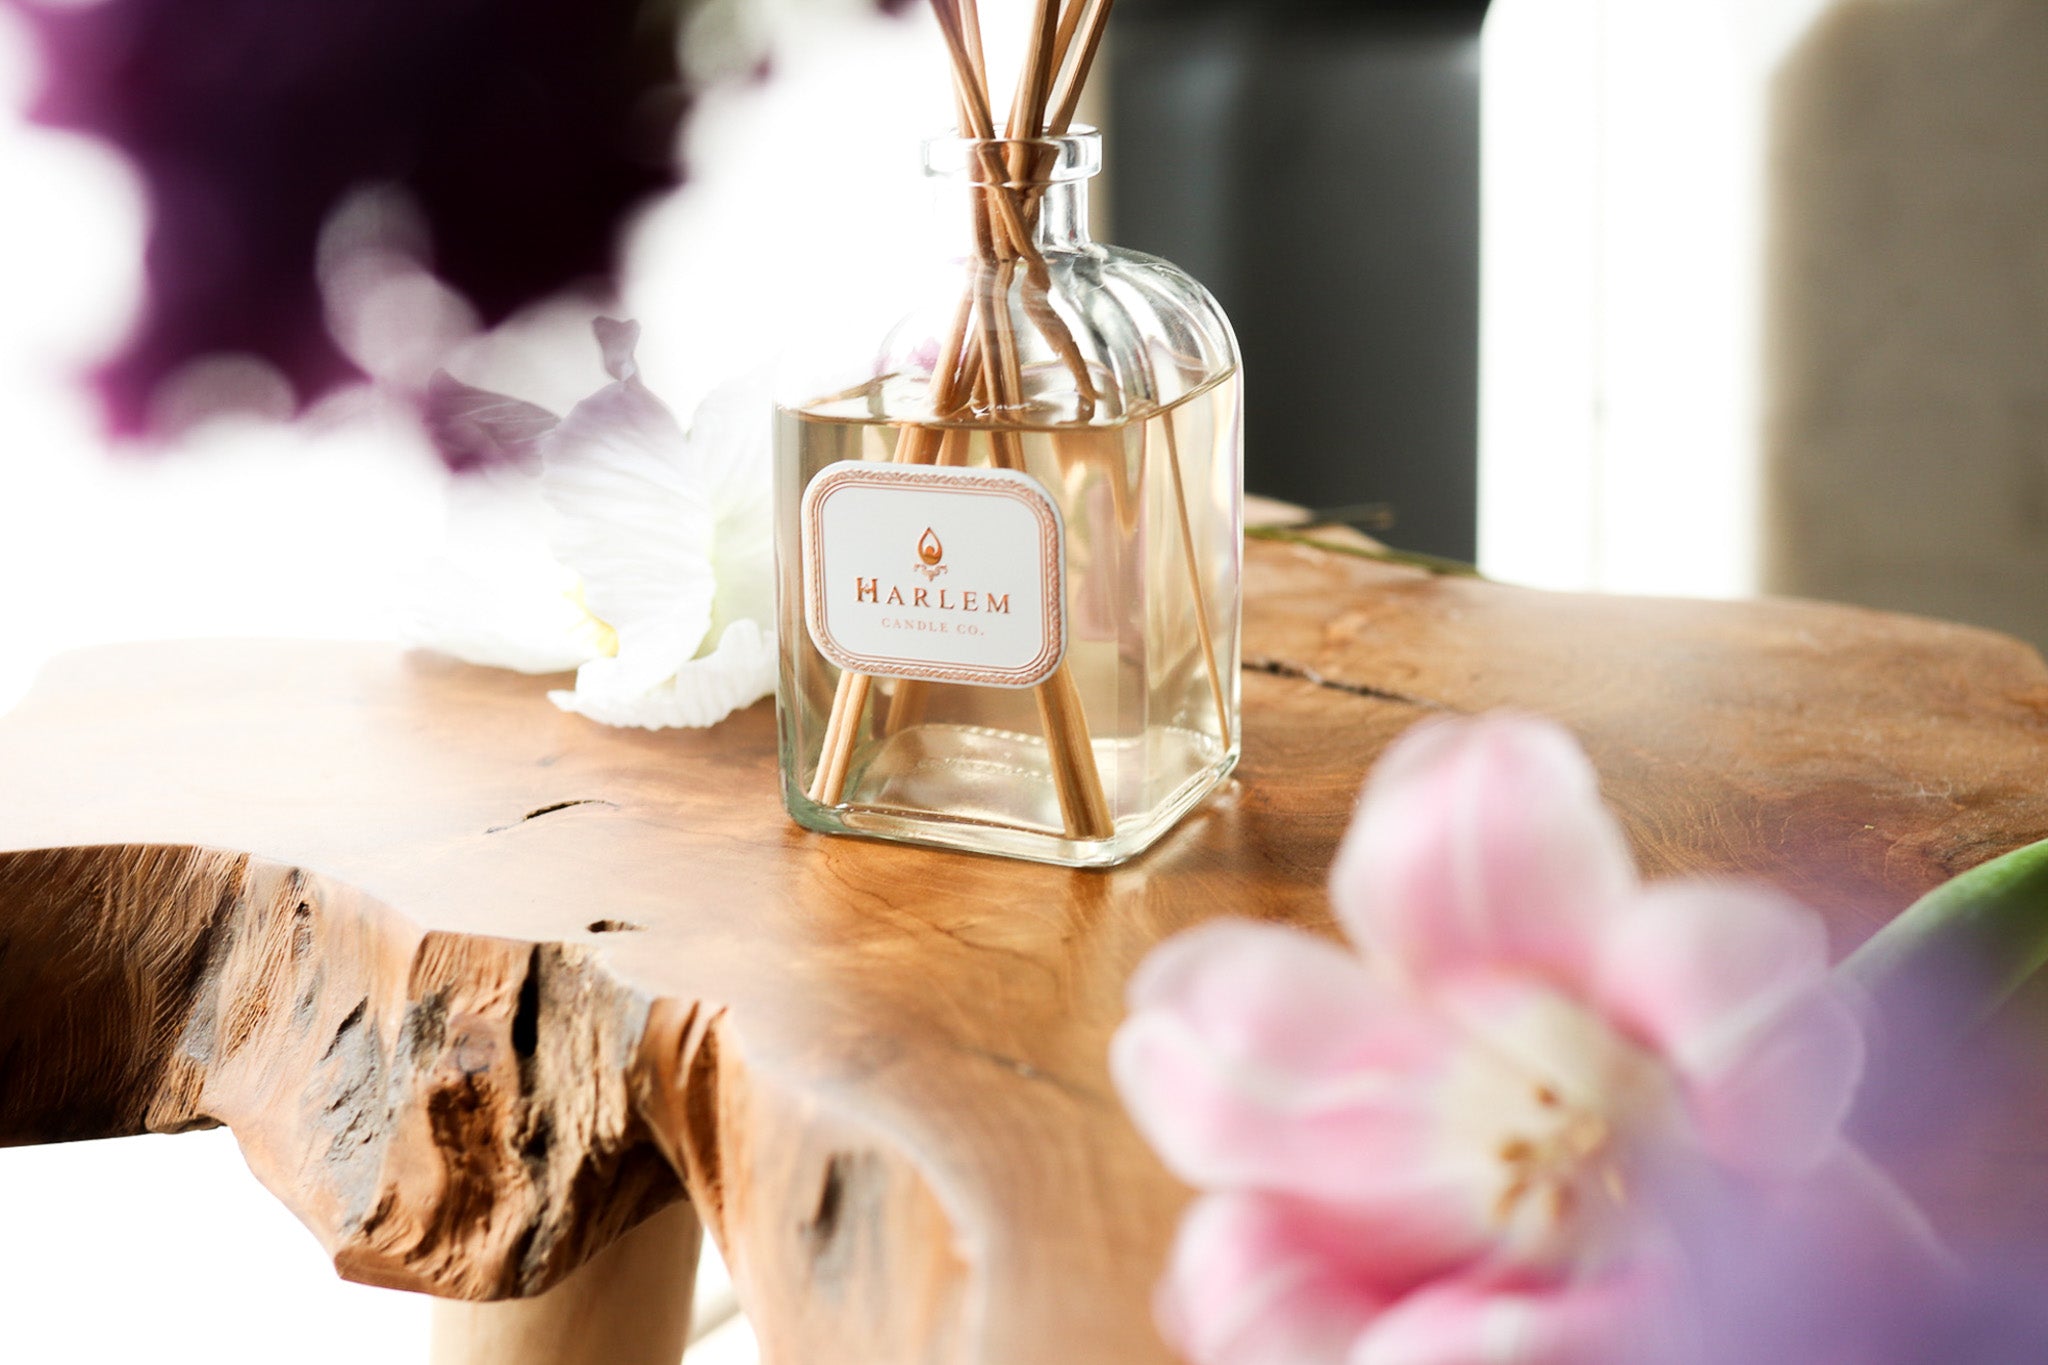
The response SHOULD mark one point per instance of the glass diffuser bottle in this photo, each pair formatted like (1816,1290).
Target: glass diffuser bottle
(1009,542)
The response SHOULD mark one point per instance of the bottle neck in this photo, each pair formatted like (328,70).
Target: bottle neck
(1045,184)
(1055,214)
(1063,216)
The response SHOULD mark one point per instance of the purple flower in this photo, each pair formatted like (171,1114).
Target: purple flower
(1855,1276)
(526,131)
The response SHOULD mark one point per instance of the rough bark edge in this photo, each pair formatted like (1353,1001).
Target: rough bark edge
(446,1113)
(459,1115)
(839,1247)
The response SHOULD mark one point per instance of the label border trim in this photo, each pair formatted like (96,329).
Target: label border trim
(1008,483)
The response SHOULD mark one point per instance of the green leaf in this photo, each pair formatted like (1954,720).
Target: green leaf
(1983,933)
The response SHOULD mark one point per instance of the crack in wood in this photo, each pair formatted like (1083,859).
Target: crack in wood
(526,1018)
(1026,1071)
(1280,668)
(824,1221)
(349,1024)
(538,812)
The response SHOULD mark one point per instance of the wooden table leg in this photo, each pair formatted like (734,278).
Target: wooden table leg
(628,1306)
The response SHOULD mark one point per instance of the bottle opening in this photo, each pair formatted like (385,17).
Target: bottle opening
(1016,162)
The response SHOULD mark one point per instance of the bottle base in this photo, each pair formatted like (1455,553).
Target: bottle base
(980,834)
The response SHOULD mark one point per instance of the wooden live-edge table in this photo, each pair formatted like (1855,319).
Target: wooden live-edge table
(481,986)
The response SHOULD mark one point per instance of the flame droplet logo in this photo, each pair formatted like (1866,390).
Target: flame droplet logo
(930,551)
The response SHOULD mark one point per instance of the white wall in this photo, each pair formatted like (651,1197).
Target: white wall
(1765,300)
(1620,262)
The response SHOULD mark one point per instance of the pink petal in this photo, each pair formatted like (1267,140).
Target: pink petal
(1260,1058)
(1254,1281)
(1268,995)
(1483,842)
(1615,1320)
(1730,983)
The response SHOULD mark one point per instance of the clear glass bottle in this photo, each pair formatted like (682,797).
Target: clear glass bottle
(1009,539)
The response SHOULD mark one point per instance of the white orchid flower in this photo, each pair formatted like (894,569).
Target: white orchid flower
(641,556)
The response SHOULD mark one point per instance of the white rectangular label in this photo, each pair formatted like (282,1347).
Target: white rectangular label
(949,575)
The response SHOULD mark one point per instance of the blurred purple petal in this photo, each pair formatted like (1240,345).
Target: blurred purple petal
(1844,1269)
(525,131)
(618,340)
(474,428)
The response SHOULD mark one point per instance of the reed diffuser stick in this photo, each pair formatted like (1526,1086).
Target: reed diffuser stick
(1034,83)
(850,697)
(970,28)
(1077,782)
(1195,579)
(1091,22)
(1063,41)
(1089,19)
(983,358)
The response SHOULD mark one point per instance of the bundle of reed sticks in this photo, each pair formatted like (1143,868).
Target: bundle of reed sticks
(979,366)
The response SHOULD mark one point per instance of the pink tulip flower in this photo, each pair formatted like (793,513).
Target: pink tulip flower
(1452,1145)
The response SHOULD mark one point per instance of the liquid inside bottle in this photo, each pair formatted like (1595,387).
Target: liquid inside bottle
(1139,714)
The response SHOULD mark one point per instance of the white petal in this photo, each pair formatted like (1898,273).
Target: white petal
(501,620)
(496,597)
(648,655)
(629,519)
(745,569)
(746,581)
(732,435)
(739,672)
(731,445)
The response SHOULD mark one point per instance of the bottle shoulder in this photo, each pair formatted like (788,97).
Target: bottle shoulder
(1101,335)
(1170,306)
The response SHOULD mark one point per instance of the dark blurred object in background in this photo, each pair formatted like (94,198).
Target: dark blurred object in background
(525,131)
(1316,164)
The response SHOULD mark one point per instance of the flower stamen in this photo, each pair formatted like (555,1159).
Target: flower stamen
(1557,1166)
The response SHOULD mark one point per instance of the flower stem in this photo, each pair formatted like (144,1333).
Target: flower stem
(1414,559)
(1982,934)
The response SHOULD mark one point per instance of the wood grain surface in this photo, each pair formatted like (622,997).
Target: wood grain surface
(480,985)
